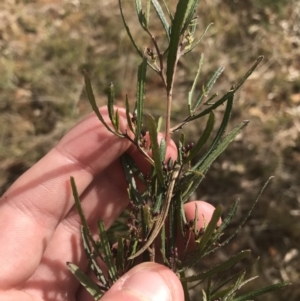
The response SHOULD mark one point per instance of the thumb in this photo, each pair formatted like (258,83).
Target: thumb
(146,282)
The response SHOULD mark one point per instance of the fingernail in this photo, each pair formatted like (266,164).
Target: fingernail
(147,285)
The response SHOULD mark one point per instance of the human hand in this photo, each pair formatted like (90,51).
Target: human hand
(40,225)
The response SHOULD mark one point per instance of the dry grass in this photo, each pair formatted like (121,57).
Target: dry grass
(45,44)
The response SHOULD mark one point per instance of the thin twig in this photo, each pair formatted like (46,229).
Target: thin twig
(160,57)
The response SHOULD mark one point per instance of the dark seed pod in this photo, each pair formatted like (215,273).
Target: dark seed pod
(155,214)
(133,119)
(186,227)
(201,231)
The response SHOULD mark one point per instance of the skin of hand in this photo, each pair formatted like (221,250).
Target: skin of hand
(40,225)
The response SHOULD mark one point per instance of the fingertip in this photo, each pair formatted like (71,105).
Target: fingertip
(147,282)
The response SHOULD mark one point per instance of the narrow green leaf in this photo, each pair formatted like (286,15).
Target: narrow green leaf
(212,107)
(189,183)
(162,149)
(217,292)
(160,220)
(91,259)
(172,227)
(222,293)
(208,87)
(204,137)
(229,217)
(225,97)
(222,146)
(210,229)
(191,93)
(148,12)
(161,17)
(110,104)
(181,211)
(177,25)
(179,148)
(223,226)
(82,217)
(248,73)
(128,30)
(244,282)
(128,117)
(246,216)
(147,218)
(78,204)
(141,15)
(159,198)
(120,260)
(196,220)
(117,120)
(192,180)
(138,5)
(203,113)
(163,243)
(180,218)
(108,259)
(140,97)
(242,222)
(239,282)
(159,123)
(219,268)
(204,297)
(220,132)
(190,12)
(209,101)
(193,26)
(168,11)
(134,168)
(221,100)
(185,287)
(261,291)
(119,227)
(90,94)
(208,288)
(133,248)
(86,281)
(155,148)
(128,168)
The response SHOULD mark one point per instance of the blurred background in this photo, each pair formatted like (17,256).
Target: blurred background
(45,44)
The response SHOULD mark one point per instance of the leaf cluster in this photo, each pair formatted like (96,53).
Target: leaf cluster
(154,221)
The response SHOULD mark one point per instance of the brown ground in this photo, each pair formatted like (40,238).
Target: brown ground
(45,44)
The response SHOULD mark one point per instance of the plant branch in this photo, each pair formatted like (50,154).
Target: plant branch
(139,148)
(160,57)
(169,101)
